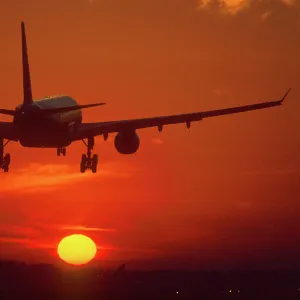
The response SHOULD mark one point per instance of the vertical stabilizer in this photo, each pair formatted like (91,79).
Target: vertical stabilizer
(26,72)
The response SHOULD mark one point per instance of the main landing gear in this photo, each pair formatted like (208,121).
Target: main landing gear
(62,151)
(4,159)
(87,160)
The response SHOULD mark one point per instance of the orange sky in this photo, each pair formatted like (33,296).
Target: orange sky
(223,194)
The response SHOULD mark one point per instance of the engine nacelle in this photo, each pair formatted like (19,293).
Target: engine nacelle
(127,142)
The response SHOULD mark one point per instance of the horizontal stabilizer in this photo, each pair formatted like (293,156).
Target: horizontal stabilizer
(8,112)
(57,110)
(50,111)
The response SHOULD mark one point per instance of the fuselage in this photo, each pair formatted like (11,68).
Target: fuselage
(52,130)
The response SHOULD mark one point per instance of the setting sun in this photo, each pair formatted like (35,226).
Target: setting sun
(77,249)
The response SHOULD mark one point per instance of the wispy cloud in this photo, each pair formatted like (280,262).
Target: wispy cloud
(12,240)
(157,141)
(230,6)
(17,231)
(289,2)
(234,7)
(84,228)
(42,236)
(266,15)
(17,234)
(36,177)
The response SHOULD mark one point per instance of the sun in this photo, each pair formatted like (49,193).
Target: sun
(76,249)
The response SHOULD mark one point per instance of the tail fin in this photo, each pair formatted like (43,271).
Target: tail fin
(26,72)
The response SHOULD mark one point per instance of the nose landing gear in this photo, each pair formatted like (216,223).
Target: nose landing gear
(87,160)
(4,159)
(62,151)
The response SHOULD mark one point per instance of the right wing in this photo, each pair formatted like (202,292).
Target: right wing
(8,132)
(86,130)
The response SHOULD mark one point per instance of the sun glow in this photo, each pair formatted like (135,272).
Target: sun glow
(77,249)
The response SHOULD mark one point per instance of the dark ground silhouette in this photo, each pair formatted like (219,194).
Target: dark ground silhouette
(23,281)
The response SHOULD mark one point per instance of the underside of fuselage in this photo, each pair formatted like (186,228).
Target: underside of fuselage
(45,138)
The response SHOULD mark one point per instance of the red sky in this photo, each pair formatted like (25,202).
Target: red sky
(223,194)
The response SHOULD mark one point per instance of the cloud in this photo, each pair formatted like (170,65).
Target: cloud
(36,177)
(266,15)
(289,2)
(41,236)
(230,6)
(17,231)
(83,228)
(12,240)
(157,141)
(234,7)
(17,234)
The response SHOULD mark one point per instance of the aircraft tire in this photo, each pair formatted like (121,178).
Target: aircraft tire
(5,167)
(7,159)
(94,163)
(83,163)
(82,168)
(95,158)
(94,167)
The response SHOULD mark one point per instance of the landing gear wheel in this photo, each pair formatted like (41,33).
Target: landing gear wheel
(83,163)
(7,159)
(94,163)
(4,159)
(87,160)
(95,158)
(5,168)
(62,151)
(6,162)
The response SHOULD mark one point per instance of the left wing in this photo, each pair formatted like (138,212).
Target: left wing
(8,131)
(86,130)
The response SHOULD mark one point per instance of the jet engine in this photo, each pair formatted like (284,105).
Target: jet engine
(127,142)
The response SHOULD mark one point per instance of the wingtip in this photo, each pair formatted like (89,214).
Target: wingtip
(285,95)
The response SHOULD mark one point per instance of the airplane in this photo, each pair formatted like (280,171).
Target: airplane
(56,122)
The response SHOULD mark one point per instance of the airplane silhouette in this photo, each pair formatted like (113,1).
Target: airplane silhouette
(56,122)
